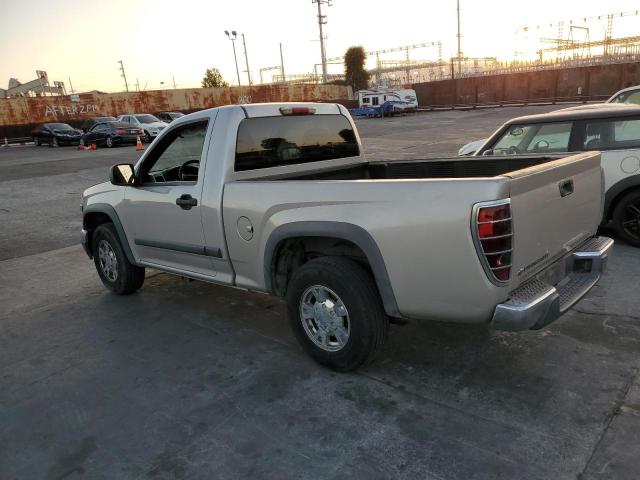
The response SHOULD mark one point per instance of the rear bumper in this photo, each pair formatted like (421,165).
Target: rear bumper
(555,290)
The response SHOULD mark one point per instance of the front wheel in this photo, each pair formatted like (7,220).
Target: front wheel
(109,142)
(336,313)
(114,269)
(626,218)
(54,142)
(36,141)
(147,137)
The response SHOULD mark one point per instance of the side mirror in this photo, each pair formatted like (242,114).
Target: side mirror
(487,152)
(122,174)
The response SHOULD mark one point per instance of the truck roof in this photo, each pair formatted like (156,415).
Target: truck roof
(583,114)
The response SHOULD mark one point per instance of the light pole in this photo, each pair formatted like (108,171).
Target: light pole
(246,59)
(232,36)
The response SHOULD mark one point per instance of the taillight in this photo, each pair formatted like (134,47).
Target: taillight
(297,110)
(494,238)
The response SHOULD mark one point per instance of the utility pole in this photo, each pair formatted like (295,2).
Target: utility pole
(281,64)
(71,85)
(123,75)
(459,49)
(322,20)
(174,82)
(232,36)
(246,58)
(137,84)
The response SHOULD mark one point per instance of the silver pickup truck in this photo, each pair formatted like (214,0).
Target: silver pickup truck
(279,198)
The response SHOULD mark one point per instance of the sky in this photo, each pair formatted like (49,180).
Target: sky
(162,41)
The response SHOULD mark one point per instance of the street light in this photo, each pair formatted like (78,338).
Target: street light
(232,36)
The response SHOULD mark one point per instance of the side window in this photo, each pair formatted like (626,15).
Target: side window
(177,157)
(375,101)
(365,100)
(551,137)
(612,134)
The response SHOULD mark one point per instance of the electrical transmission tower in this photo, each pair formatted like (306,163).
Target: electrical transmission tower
(123,75)
(322,20)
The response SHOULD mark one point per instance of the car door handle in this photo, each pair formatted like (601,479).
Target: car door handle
(186,201)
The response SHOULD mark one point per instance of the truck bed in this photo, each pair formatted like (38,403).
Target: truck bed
(428,168)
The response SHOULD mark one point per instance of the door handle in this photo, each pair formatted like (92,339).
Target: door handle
(186,201)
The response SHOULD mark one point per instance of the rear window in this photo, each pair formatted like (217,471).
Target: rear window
(266,142)
(609,134)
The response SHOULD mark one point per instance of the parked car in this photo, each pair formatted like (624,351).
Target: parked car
(278,198)
(150,124)
(90,122)
(109,134)
(169,117)
(55,134)
(630,95)
(615,131)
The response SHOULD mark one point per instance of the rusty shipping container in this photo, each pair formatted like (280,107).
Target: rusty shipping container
(18,116)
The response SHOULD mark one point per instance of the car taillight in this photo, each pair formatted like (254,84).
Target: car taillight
(494,238)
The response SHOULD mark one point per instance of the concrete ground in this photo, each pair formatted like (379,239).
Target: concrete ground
(191,380)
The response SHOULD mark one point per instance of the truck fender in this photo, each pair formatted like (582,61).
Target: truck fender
(344,231)
(615,192)
(110,212)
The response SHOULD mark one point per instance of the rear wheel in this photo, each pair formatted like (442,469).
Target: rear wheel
(114,269)
(336,313)
(626,218)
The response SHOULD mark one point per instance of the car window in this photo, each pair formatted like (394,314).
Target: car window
(265,142)
(608,134)
(540,137)
(632,97)
(95,128)
(181,145)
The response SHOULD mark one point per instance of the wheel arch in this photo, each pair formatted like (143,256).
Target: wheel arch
(340,231)
(98,214)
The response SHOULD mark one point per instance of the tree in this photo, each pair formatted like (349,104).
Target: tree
(354,70)
(213,78)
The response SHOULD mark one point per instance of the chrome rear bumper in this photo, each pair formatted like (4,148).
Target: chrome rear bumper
(542,299)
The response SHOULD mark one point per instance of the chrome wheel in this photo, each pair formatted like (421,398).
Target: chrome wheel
(109,142)
(108,260)
(325,318)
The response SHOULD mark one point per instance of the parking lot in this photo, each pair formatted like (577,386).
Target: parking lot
(191,380)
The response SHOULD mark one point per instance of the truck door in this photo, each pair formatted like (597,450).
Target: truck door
(162,214)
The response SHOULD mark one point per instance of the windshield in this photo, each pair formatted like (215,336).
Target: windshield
(59,126)
(536,138)
(175,115)
(146,118)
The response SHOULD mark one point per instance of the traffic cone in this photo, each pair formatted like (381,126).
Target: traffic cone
(139,144)
(93,146)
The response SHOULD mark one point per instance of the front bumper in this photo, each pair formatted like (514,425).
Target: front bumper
(555,290)
(84,240)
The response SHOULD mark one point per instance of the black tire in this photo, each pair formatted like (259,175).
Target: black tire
(54,142)
(147,137)
(108,141)
(626,218)
(36,141)
(128,277)
(367,320)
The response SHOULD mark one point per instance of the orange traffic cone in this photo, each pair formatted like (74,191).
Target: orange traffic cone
(93,146)
(139,144)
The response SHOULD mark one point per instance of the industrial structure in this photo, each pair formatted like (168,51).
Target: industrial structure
(37,87)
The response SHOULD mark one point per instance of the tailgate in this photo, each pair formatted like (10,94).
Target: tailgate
(555,206)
